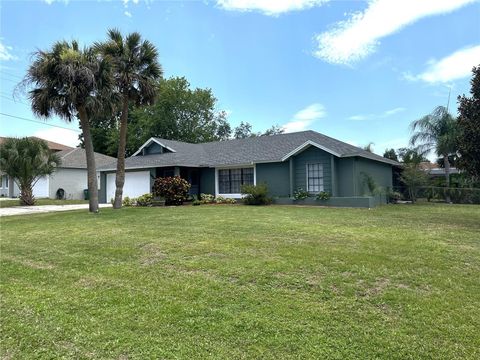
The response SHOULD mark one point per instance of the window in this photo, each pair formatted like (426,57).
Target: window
(230,181)
(314,178)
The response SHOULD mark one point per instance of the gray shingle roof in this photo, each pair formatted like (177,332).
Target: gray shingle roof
(77,159)
(243,151)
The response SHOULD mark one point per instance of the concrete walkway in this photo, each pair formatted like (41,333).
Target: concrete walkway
(25,210)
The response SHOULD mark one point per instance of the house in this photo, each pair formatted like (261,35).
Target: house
(433,170)
(70,176)
(285,162)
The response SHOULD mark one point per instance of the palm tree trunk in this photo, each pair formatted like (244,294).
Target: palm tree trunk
(26,194)
(91,167)
(122,144)
(446,164)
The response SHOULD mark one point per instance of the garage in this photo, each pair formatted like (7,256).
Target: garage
(136,183)
(40,189)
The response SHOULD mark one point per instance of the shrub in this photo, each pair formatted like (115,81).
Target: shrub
(255,194)
(127,201)
(323,195)
(230,201)
(207,198)
(300,194)
(393,196)
(220,200)
(196,202)
(173,189)
(144,200)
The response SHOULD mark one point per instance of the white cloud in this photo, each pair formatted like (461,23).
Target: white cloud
(452,67)
(49,2)
(58,135)
(302,119)
(128,13)
(269,7)
(386,113)
(5,52)
(354,39)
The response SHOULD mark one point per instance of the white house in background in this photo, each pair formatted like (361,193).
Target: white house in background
(70,176)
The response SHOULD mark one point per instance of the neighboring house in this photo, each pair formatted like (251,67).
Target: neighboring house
(433,170)
(285,162)
(70,176)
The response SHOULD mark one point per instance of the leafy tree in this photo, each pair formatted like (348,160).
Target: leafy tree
(410,156)
(413,178)
(70,82)
(437,132)
(469,128)
(274,130)
(136,70)
(390,154)
(26,160)
(179,113)
(243,131)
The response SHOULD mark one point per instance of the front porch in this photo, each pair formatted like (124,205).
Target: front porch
(191,174)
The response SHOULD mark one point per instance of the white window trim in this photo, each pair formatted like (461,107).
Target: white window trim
(7,182)
(233,196)
(322,187)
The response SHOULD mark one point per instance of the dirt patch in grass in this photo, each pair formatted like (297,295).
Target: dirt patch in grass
(151,254)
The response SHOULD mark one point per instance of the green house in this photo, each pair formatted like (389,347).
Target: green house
(286,162)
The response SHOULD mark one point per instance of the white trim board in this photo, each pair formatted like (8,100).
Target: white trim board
(148,142)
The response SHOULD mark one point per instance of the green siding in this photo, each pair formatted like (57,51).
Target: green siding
(207,181)
(276,176)
(312,155)
(345,176)
(102,193)
(381,173)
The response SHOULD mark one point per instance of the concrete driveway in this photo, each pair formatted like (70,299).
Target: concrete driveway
(25,210)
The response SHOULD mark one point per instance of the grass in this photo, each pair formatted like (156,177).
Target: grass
(16,202)
(238,282)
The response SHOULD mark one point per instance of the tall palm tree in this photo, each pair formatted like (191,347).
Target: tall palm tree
(436,132)
(136,72)
(26,160)
(70,82)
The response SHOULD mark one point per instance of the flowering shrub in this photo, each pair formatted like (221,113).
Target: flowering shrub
(207,198)
(144,200)
(223,200)
(173,189)
(300,194)
(230,201)
(127,201)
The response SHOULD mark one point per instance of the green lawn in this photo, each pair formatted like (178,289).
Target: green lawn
(238,282)
(16,202)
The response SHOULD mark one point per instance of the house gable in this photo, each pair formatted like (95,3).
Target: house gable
(153,146)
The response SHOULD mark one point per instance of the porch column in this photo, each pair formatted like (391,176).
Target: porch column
(176,171)
(290,163)
(334,177)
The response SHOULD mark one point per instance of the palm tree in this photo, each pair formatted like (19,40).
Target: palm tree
(136,72)
(437,132)
(26,160)
(70,82)
(369,147)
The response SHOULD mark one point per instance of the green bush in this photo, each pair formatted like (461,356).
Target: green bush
(144,200)
(230,201)
(300,194)
(207,198)
(196,202)
(255,194)
(127,201)
(173,189)
(323,195)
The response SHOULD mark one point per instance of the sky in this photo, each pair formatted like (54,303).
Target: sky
(358,71)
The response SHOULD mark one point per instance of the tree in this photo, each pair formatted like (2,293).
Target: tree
(243,131)
(390,154)
(410,156)
(274,130)
(436,132)
(413,178)
(469,128)
(136,71)
(70,82)
(26,160)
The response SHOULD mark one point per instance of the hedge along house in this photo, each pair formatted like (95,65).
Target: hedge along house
(285,162)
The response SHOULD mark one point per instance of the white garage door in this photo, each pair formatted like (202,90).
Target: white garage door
(136,183)
(40,189)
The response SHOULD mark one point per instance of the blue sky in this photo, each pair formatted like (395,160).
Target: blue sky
(359,71)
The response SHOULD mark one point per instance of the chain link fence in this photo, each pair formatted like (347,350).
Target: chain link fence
(457,195)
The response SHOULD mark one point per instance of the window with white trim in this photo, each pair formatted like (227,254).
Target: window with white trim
(231,180)
(314,178)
